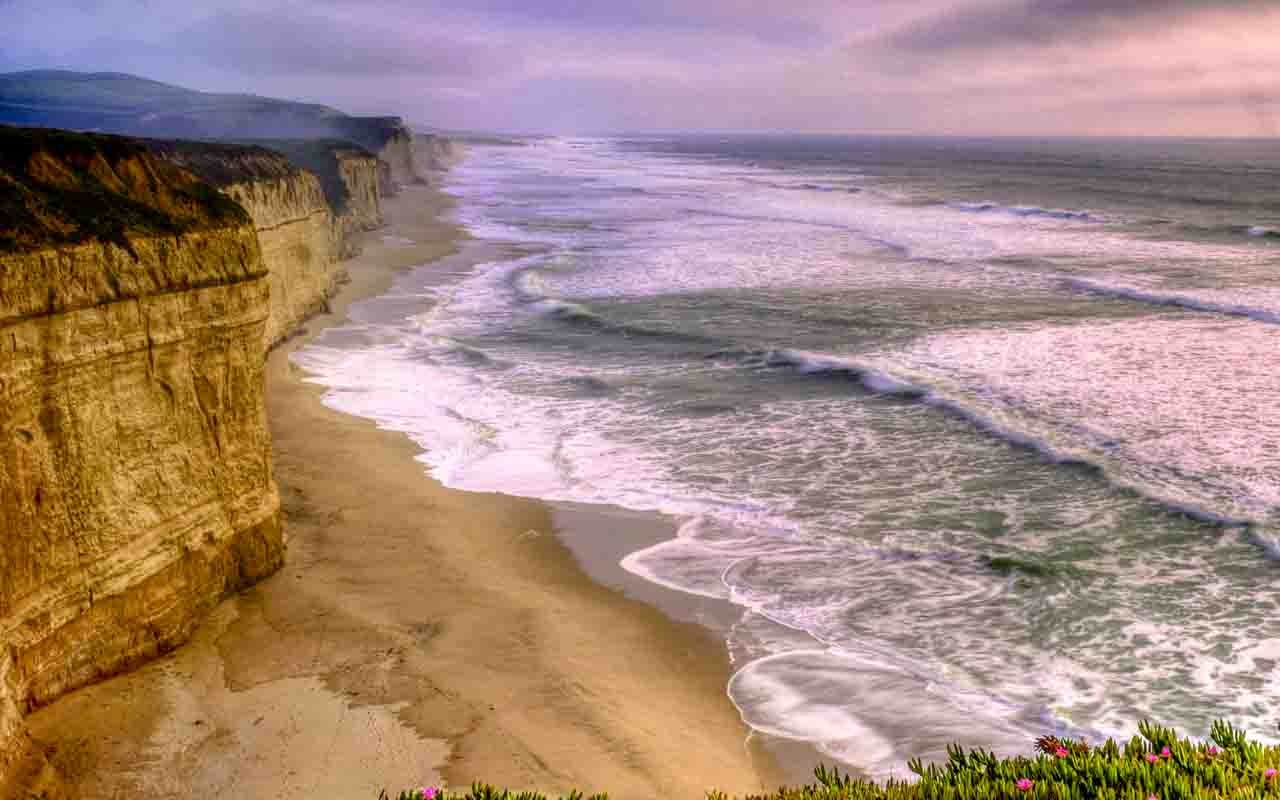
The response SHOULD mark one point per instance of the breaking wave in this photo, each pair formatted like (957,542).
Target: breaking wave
(1027,211)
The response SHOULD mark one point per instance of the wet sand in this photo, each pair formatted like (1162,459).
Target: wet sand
(416,633)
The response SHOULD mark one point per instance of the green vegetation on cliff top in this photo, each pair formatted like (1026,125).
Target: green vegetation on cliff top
(1155,765)
(59,188)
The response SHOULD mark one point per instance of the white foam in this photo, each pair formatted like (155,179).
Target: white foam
(1261,303)
(849,523)
(861,710)
(1176,406)
(1028,211)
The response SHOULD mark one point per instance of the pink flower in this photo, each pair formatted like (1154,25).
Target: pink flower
(1062,752)
(1024,784)
(1165,753)
(1152,758)
(429,792)
(1152,797)
(1213,750)
(1270,773)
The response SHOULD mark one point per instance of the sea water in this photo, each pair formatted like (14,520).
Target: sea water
(981,436)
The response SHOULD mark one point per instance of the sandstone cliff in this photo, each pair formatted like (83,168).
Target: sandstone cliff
(135,463)
(304,218)
(351,177)
(140,283)
(436,153)
(363,175)
(397,151)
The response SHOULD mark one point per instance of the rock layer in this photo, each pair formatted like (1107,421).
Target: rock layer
(304,218)
(140,284)
(436,153)
(135,462)
(362,175)
(397,151)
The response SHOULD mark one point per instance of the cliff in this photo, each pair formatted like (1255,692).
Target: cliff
(135,462)
(304,219)
(397,151)
(351,177)
(436,153)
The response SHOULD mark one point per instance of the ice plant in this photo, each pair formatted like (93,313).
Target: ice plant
(1141,768)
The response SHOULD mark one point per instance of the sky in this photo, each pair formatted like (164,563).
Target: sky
(957,67)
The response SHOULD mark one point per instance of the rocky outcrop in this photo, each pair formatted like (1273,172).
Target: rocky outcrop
(398,153)
(304,218)
(140,283)
(435,154)
(362,177)
(299,245)
(135,462)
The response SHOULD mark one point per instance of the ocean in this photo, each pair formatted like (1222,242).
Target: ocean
(979,437)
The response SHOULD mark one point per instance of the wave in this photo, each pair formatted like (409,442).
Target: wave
(1268,541)
(1027,211)
(876,381)
(1229,232)
(699,409)
(804,186)
(1178,300)
(587,386)
(822,187)
(809,363)
(573,313)
(578,315)
(442,349)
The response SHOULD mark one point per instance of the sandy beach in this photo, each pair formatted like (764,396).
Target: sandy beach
(416,633)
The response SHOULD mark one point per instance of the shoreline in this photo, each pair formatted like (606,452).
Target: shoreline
(415,632)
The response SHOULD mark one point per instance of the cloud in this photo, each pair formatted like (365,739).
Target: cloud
(928,66)
(1041,22)
(798,22)
(291,42)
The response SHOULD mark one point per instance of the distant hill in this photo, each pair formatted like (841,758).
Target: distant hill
(113,102)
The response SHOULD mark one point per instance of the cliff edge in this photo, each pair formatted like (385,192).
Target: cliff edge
(135,462)
(304,218)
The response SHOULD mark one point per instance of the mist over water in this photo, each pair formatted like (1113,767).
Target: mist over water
(978,434)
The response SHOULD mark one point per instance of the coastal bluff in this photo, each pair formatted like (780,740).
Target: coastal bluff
(304,218)
(141,284)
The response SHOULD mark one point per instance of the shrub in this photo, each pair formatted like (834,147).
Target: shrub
(1155,764)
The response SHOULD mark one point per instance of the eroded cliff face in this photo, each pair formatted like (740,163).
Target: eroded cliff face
(140,285)
(398,153)
(361,174)
(304,226)
(300,246)
(135,461)
(435,153)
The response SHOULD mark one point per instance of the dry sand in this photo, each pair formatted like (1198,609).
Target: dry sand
(415,633)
